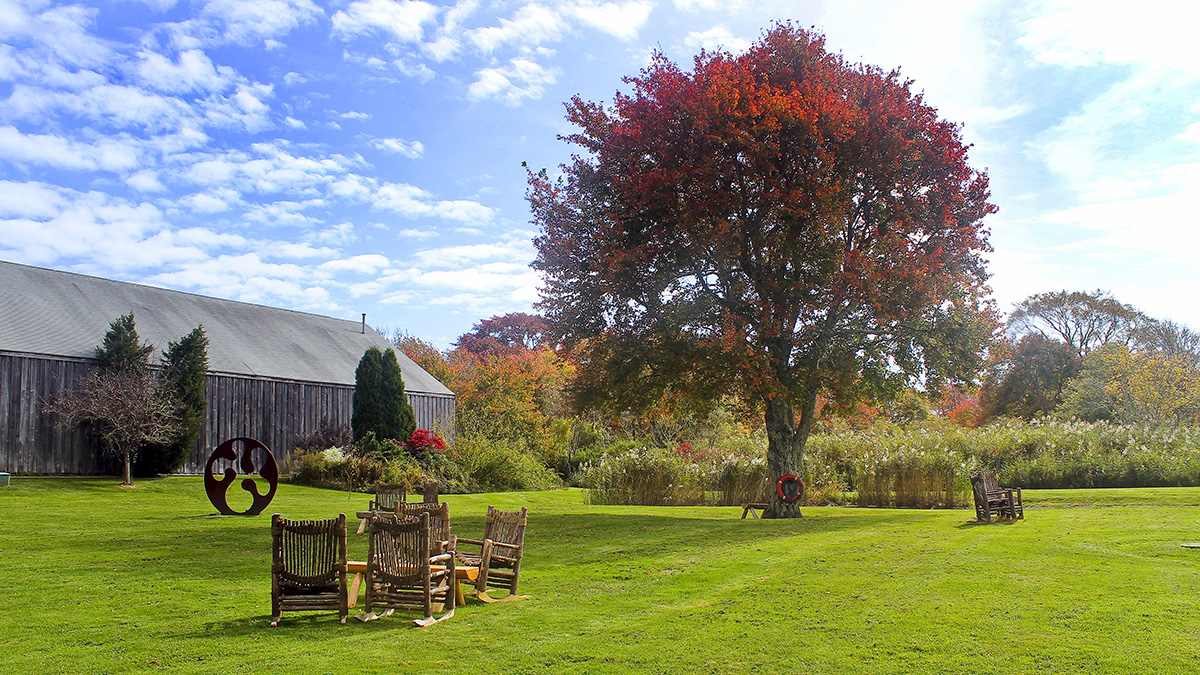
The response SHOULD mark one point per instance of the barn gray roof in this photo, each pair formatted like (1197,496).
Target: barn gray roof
(63,314)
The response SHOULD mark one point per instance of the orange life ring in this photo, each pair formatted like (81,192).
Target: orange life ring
(790,488)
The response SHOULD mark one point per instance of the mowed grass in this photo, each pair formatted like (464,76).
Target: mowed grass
(101,579)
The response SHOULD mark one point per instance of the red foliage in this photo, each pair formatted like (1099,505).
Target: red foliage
(959,406)
(777,223)
(502,335)
(424,440)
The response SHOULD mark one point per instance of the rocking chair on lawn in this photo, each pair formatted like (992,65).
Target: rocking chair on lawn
(990,498)
(499,560)
(401,574)
(387,495)
(439,522)
(308,569)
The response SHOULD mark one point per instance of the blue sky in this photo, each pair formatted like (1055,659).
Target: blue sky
(365,155)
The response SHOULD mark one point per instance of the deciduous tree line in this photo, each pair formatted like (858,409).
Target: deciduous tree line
(1089,356)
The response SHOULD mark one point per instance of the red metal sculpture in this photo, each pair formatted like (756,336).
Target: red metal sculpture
(217,488)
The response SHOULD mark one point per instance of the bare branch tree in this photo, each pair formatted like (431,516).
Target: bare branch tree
(128,409)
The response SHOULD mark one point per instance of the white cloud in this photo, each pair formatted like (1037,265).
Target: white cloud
(412,233)
(413,202)
(447,42)
(29,200)
(193,72)
(362,264)
(208,202)
(113,233)
(410,149)
(118,105)
(355,115)
(455,257)
(246,21)
(533,24)
(716,38)
(145,181)
(272,168)
(104,154)
(62,33)
(1161,33)
(521,79)
(403,20)
(621,20)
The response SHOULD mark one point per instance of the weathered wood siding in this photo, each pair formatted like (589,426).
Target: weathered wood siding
(32,442)
(271,411)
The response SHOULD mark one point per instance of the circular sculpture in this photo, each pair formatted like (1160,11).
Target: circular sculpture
(217,488)
(790,488)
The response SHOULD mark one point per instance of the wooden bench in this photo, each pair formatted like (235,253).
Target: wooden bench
(753,508)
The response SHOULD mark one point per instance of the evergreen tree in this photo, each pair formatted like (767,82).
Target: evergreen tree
(399,419)
(185,367)
(368,377)
(380,404)
(121,349)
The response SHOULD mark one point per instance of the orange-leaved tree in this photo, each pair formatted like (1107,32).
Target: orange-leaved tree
(778,224)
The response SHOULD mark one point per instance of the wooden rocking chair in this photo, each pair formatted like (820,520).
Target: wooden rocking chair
(402,575)
(387,495)
(499,559)
(308,568)
(439,522)
(991,499)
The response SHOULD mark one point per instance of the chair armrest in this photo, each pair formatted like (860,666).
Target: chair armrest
(501,544)
(442,557)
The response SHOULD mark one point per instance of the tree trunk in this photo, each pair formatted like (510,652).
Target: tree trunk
(127,474)
(785,450)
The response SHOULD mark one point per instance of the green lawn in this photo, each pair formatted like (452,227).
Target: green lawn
(104,579)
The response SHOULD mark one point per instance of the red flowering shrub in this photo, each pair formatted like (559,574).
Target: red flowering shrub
(424,440)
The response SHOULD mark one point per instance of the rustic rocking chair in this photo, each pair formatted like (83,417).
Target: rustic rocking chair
(308,568)
(401,574)
(499,559)
(991,499)
(439,522)
(387,495)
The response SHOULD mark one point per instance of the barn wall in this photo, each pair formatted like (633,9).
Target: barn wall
(271,411)
(30,441)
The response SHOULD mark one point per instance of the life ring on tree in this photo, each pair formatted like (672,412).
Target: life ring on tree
(790,488)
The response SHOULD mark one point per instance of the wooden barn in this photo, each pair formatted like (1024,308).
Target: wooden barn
(273,373)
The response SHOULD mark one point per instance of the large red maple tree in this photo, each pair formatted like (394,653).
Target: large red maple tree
(780,224)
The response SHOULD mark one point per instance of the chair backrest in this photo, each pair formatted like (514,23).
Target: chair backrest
(990,483)
(439,517)
(398,550)
(387,494)
(506,527)
(308,552)
(429,492)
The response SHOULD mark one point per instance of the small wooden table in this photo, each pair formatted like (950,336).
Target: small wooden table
(359,569)
(753,508)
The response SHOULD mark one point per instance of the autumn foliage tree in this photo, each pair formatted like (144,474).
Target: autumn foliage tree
(779,223)
(502,335)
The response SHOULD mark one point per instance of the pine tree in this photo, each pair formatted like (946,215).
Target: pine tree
(185,366)
(399,421)
(121,349)
(368,379)
(380,404)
